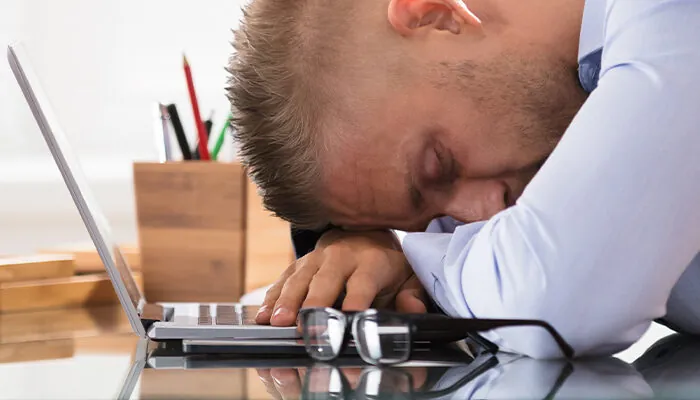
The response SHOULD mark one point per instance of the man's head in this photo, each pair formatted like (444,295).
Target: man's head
(388,113)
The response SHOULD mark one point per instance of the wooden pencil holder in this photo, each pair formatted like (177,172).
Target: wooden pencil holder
(191,226)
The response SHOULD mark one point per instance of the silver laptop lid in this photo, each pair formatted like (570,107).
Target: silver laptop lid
(119,272)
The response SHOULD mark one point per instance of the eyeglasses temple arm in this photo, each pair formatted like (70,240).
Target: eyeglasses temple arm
(481,325)
(458,326)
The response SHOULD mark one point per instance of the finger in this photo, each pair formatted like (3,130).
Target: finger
(302,374)
(353,376)
(420,376)
(321,380)
(266,379)
(411,297)
(293,293)
(264,374)
(361,290)
(287,382)
(326,286)
(375,282)
(271,296)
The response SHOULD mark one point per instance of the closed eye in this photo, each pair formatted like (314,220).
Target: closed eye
(433,166)
(448,167)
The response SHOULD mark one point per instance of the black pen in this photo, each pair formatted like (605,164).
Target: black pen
(179,132)
(207,125)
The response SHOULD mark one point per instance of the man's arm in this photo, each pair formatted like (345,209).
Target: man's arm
(304,240)
(603,232)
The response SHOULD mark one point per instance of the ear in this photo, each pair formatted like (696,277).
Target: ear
(409,16)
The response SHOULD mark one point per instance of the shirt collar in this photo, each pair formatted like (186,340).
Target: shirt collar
(592,28)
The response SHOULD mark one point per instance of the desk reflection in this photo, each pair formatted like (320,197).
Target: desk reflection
(670,369)
(502,377)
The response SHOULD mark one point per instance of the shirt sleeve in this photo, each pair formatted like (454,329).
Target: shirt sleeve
(443,225)
(600,236)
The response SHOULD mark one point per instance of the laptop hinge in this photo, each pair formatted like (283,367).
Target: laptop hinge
(150,314)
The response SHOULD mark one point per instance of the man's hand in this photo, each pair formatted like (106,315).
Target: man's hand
(369,266)
(288,383)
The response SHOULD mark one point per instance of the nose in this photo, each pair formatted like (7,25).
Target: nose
(476,200)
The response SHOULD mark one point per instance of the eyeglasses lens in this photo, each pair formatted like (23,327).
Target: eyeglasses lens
(324,382)
(383,339)
(323,334)
(384,384)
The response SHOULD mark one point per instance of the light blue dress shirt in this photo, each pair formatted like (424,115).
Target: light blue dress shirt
(605,238)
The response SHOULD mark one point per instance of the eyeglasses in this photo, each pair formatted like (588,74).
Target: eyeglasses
(383,337)
(330,382)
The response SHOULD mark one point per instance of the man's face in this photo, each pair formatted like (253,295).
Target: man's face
(462,140)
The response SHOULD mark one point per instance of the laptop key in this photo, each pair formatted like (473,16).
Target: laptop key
(228,315)
(204,317)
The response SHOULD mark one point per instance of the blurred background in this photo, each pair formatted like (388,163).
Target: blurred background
(103,65)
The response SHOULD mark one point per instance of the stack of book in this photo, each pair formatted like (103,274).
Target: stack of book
(57,303)
(56,279)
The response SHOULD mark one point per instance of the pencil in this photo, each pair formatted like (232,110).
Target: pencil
(201,131)
(179,132)
(220,139)
(195,152)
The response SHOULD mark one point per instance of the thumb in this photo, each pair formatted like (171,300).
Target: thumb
(411,297)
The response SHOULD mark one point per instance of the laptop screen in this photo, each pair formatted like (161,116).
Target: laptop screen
(119,272)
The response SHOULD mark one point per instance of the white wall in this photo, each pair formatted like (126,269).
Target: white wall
(103,64)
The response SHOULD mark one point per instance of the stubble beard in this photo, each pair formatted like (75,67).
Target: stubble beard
(531,98)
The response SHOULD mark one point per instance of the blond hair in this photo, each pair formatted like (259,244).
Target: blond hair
(289,58)
(276,91)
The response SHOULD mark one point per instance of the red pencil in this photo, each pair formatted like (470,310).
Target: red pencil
(201,130)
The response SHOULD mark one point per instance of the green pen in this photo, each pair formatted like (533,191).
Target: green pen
(220,139)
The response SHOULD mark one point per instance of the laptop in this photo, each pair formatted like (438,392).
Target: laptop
(159,322)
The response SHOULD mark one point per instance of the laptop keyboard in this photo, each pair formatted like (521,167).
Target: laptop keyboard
(219,314)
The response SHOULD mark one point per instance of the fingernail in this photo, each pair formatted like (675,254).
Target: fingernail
(282,377)
(279,382)
(263,310)
(262,376)
(279,313)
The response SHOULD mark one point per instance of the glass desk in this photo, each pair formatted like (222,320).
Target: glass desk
(91,353)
